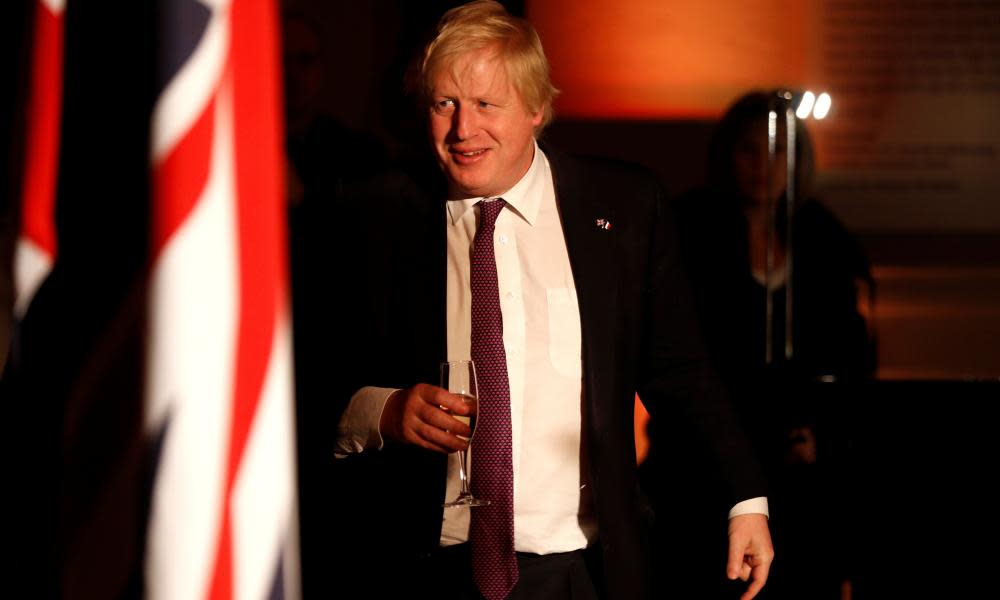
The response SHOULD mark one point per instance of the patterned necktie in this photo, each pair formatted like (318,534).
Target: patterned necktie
(494,565)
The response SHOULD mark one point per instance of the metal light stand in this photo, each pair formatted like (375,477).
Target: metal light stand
(782,101)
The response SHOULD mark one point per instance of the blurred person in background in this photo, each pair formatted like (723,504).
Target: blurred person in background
(724,239)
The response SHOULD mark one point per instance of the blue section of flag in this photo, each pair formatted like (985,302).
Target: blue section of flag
(182,23)
(155,451)
(278,585)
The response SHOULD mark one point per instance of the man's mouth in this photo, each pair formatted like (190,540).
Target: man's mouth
(468,157)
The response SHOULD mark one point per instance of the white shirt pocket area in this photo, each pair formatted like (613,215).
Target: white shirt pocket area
(564,332)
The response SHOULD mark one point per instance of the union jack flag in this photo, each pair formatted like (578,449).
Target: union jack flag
(149,384)
(218,393)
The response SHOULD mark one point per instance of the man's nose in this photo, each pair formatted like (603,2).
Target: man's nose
(464,123)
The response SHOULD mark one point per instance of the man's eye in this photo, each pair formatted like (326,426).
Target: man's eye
(484,104)
(444,106)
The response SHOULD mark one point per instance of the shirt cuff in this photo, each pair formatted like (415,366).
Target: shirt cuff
(357,430)
(751,506)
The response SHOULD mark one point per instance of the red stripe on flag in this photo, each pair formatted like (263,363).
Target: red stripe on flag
(179,180)
(43,122)
(260,214)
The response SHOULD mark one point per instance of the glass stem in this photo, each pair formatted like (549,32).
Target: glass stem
(461,473)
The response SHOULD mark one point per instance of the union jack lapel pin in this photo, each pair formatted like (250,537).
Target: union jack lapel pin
(603,224)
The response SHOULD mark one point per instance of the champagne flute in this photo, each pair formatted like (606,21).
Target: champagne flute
(459,377)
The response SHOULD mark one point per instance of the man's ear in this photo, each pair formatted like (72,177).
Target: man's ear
(536,118)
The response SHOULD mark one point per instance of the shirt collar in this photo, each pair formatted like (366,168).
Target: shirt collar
(524,198)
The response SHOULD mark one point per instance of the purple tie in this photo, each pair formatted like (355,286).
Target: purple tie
(494,565)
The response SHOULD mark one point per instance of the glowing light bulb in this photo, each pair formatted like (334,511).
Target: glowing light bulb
(806,105)
(822,107)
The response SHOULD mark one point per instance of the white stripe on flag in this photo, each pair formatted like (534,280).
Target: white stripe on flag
(263,497)
(30,269)
(56,6)
(193,333)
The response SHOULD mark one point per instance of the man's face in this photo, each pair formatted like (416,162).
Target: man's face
(483,133)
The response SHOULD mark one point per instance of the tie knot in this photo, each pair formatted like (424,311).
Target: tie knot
(489,210)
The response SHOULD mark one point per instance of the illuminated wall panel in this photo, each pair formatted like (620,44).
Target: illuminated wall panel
(913,140)
(684,58)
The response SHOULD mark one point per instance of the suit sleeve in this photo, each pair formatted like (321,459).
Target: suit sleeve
(675,370)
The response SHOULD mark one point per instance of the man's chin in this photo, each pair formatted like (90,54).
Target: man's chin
(467,187)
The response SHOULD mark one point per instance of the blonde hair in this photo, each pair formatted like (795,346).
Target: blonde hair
(485,24)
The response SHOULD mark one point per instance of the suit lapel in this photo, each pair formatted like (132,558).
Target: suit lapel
(586,214)
(429,276)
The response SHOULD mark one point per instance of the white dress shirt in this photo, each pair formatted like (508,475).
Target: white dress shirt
(541,331)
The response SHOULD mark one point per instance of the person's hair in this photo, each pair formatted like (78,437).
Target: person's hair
(487,24)
(753,107)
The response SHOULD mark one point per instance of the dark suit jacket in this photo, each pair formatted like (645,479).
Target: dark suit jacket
(639,334)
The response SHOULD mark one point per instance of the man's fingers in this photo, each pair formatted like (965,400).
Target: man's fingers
(734,564)
(439,417)
(426,438)
(453,402)
(445,411)
(438,438)
(760,573)
(435,426)
(416,416)
(417,432)
(428,445)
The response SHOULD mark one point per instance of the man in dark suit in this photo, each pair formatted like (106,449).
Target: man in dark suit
(580,303)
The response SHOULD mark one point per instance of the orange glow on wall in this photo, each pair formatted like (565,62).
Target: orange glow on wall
(677,59)
(641,422)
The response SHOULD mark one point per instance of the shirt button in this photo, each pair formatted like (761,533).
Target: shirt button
(503,240)
(510,294)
